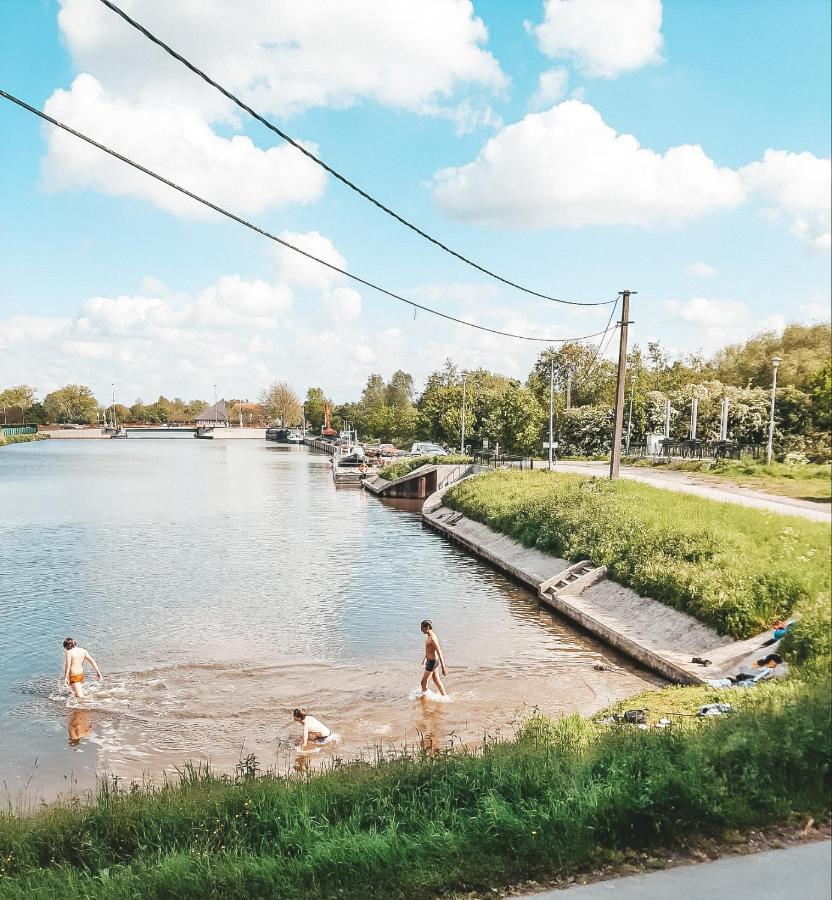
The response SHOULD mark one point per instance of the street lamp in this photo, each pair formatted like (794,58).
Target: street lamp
(774,363)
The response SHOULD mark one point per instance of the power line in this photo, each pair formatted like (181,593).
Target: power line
(273,237)
(606,336)
(335,174)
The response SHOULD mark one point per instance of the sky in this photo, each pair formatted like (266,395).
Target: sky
(576,147)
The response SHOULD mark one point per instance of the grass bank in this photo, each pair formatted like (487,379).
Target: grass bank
(406,466)
(811,481)
(734,568)
(22,438)
(562,796)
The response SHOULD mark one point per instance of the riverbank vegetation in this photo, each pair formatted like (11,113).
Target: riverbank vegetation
(21,438)
(562,796)
(405,466)
(799,479)
(732,567)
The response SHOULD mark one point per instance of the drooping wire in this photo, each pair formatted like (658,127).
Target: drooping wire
(606,337)
(336,174)
(273,237)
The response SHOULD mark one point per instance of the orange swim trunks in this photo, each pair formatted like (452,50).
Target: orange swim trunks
(77,679)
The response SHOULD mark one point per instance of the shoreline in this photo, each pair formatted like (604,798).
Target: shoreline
(654,635)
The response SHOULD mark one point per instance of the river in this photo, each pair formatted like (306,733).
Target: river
(220,584)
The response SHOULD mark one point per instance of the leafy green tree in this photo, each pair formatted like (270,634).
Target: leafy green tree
(820,394)
(282,404)
(15,401)
(314,407)
(400,390)
(73,403)
(516,421)
(592,378)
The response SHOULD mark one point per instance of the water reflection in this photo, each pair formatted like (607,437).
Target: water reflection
(79,725)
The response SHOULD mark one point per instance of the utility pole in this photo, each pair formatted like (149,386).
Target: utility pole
(462,435)
(551,407)
(569,388)
(775,363)
(615,456)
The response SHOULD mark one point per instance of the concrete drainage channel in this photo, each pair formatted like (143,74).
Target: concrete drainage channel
(659,637)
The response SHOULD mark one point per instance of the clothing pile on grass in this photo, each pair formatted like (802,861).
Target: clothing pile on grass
(764,669)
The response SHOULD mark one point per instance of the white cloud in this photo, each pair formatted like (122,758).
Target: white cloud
(700,270)
(295,269)
(710,313)
(799,184)
(342,304)
(603,38)
(176,142)
(551,86)
(567,167)
(818,309)
(284,56)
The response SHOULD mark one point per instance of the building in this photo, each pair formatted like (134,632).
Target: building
(215,416)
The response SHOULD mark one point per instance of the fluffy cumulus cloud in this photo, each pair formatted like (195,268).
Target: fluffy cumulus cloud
(602,38)
(566,166)
(179,144)
(295,269)
(799,185)
(551,86)
(282,57)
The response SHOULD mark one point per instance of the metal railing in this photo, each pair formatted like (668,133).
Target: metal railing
(9,430)
(502,460)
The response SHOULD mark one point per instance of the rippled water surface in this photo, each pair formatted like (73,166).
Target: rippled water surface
(219,584)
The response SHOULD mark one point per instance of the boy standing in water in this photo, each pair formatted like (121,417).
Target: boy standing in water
(433,659)
(74,658)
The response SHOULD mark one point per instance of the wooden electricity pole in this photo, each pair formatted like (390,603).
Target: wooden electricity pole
(615,456)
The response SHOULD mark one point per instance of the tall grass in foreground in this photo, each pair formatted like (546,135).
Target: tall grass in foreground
(558,797)
(730,566)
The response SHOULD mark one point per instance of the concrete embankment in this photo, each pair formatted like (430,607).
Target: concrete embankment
(421,482)
(659,637)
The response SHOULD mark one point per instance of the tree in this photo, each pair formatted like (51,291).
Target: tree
(593,378)
(282,404)
(16,400)
(400,390)
(314,407)
(73,403)
(516,422)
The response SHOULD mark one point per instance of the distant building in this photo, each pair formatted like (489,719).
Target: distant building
(215,416)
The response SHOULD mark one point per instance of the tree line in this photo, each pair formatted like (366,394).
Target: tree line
(514,413)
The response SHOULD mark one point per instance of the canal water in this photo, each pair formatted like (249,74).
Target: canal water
(220,584)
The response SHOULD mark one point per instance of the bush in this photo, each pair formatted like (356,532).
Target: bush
(735,568)
(406,466)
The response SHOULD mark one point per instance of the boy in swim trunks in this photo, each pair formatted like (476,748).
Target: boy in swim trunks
(433,659)
(74,659)
(314,731)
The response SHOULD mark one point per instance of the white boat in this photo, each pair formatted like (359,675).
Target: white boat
(294,436)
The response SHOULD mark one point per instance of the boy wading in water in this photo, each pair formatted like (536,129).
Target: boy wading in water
(433,659)
(74,658)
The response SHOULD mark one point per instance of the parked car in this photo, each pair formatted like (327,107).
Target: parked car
(422,448)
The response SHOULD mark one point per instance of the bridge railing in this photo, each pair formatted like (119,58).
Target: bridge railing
(9,430)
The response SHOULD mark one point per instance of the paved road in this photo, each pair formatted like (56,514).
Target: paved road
(802,871)
(690,484)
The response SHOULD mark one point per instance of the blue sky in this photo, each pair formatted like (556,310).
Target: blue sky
(103,279)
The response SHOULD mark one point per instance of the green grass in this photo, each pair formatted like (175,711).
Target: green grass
(732,567)
(22,438)
(812,481)
(406,466)
(557,799)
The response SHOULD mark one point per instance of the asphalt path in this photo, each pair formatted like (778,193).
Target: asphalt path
(796,872)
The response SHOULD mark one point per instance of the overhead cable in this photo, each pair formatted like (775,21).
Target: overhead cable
(336,174)
(274,237)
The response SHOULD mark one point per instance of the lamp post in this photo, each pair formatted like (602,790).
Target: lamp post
(462,430)
(774,364)
(551,409)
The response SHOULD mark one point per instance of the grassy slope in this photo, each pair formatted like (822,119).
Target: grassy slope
(732,567)
(807,482)
(406,466)
(558,797)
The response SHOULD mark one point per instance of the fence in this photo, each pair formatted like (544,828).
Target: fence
(9,430)
(690,449)
(502,460)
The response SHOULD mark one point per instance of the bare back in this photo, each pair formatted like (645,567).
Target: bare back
(75,660)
